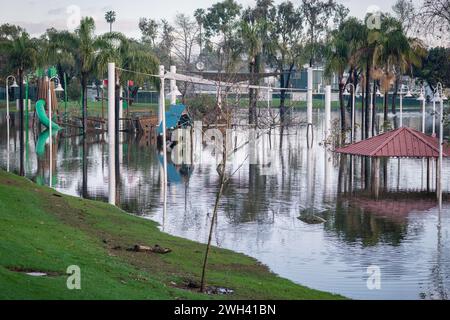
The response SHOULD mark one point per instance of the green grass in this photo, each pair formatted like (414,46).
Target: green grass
(95,107)
(43,230)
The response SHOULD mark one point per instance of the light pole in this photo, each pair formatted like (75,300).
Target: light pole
(436,98)
(407,95)
(424,100)
(50,121)
(14,85)
(346,93)
(440,97)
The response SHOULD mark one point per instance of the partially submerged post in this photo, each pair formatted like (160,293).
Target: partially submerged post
(309,106)
(112,131)
(161,96)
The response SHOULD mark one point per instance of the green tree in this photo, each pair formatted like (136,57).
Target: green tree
(317,15)
(254,29)
(149,30)
(89,52)
(285,48)
(110,18)
(342,56)
(220,24)
(435,67)
(393,54)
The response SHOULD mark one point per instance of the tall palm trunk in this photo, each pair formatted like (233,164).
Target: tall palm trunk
(385,116)
(342,107)
(252,94)
(84,101)
(394,96)
(21,124)
(374,106)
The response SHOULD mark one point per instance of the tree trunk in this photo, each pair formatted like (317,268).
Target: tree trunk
(84,101)
(251,95)
(385,116)
(21,124)
(394,96)
(213,220)
(374,107)
(342,107)
(282,98)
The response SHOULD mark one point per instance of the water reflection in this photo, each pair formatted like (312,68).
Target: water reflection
(403,231)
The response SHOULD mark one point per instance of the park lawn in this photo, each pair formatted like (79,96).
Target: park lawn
(95,107)
(42,230)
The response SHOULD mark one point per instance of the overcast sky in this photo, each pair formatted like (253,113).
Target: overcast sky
(38,15)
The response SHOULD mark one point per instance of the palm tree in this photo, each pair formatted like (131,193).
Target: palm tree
(253,33)
(22,54)
(392,51)
(110,17)
(343,53)
(86,49)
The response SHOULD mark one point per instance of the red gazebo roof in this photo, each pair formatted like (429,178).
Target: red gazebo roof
(402,143)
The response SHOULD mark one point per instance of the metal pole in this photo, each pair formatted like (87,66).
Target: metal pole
(164,145)
(423,113)
(353,113)
(65,95)
(441,142)
(50,130)
(161,96)
(434,116)
(112,131)
(401,109)
(370,111)
(310,96)
(7,125)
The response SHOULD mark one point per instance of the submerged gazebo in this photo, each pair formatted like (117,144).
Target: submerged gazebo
(399,143)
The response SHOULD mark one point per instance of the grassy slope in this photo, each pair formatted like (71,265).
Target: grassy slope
(43,230)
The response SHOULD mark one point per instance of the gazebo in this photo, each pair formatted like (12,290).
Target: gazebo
(399,143)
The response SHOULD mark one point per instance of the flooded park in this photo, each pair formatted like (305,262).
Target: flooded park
(402,231)
(193,154)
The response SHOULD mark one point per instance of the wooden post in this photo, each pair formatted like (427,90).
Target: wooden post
(376,176)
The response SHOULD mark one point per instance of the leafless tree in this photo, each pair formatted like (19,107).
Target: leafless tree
(185,34)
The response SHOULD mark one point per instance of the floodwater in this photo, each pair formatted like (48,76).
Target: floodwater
(401,238)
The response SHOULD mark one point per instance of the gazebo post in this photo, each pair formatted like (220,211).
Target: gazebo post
(428,175)
(376,176)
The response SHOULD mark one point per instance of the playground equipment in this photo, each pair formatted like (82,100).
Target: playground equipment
(42,141)
(42,115)
(176,117)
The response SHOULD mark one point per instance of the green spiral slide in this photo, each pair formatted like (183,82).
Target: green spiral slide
(42,115)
